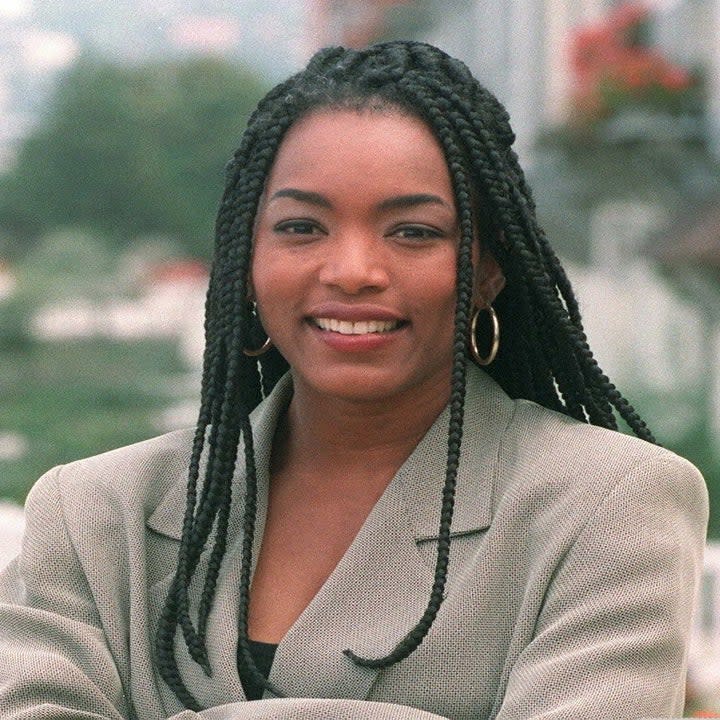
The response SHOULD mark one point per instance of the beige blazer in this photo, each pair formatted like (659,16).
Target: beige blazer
(575,557)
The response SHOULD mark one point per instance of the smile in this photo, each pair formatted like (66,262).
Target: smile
(363,327)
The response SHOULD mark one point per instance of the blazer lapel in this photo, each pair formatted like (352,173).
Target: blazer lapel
(381,587)
(488,412)
(369,602)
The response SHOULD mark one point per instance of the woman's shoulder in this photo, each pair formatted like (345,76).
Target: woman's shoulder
(134,478)
(550,477)
(536,442)
(557,437)
(551,453)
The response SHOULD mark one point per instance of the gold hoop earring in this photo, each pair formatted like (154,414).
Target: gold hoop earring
(260,351)
(494,345)
(257,330)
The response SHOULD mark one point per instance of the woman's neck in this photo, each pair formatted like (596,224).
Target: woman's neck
(332,436)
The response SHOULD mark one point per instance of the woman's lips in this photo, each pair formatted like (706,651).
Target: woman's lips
(356,335)
(361,326)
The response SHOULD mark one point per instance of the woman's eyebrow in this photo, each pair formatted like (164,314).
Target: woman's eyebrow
(398,202)
(409,201)
(305,196)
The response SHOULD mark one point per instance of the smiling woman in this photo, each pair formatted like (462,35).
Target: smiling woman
(364,523)
(358,225)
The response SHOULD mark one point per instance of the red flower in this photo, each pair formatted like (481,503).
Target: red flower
(676,78)
(612,66)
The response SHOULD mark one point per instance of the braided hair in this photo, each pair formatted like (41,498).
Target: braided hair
(544,355)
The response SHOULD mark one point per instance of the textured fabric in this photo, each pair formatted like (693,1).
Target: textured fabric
(575,556)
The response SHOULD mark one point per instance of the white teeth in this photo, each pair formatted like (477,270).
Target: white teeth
(345,327)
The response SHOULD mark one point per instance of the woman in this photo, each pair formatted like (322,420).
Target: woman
(403,535)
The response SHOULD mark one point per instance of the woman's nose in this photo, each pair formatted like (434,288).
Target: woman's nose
(355,264)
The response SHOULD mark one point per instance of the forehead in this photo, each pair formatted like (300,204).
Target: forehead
(351,146)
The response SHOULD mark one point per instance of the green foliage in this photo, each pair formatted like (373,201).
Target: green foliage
(76,399)
(62,265)
(127,151)
(691,437)
(65,264)
(699,448)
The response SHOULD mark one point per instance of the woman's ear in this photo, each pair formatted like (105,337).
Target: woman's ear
(489,279)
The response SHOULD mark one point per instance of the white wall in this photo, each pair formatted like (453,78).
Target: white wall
(12,526)
(714,79)
(519,50)
(704,658)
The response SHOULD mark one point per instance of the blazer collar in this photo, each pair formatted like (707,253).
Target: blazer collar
(373,597)
(380,587)
(488,411)
(167,518)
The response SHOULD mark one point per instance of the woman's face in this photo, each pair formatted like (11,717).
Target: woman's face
(355,248)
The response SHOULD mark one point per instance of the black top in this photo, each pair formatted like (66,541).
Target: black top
(263,655)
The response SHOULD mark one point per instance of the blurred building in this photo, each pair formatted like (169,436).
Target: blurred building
(690,31)
(348,23)
(520,50)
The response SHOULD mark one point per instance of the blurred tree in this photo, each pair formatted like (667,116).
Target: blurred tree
(60,266)
(127,151)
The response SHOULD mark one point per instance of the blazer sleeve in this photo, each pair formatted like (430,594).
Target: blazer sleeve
(611,638)
(54,659)
(310,709)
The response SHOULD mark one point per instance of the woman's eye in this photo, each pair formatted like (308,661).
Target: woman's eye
(417,232)
(298,227)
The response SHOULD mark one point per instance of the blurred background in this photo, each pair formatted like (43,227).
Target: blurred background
(116,120)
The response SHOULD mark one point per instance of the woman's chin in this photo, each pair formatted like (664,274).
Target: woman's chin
(369,385)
